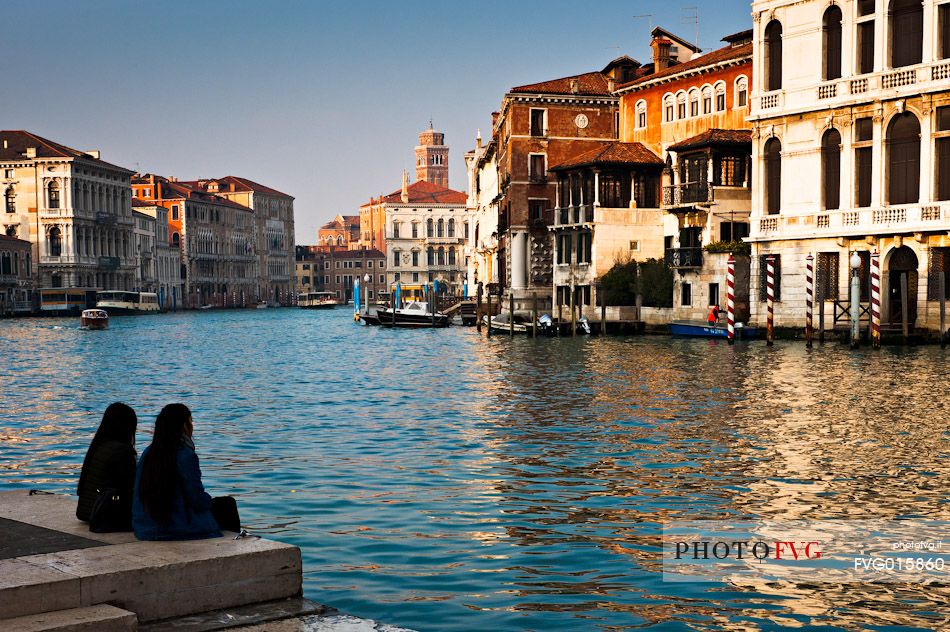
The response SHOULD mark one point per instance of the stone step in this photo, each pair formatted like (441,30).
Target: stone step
(155,580)
(98,618)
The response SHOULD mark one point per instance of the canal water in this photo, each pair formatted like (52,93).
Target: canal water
(441,481)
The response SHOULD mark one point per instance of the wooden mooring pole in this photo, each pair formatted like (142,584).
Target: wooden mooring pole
(489,313)
(511,314)
(478,308)
(573,321)
(603,314)
(942,288)
(534,315)
(905,324)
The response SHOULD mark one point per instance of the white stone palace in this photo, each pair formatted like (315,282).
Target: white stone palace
(850,110)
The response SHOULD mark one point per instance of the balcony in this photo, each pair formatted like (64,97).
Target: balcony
(681,258)
(687,194)
(444,240)
(856,222)
(889,83)
(537,178)
(105,219)
(109,263)
(571,215)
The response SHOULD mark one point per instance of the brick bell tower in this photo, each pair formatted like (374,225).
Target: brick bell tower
(432,158)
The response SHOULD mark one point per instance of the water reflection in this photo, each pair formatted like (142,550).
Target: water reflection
(438,480)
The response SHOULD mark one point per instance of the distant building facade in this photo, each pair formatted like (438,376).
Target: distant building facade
(481,248)
(74,208)
(343,231)
(342,268)
(432,158)
(16,276)
(166,257)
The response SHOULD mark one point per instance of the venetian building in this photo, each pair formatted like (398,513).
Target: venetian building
(482,208)
(432,158)
(851,152)
(343,231)
(74,207)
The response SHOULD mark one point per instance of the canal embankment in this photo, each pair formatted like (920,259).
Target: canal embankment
(55,575)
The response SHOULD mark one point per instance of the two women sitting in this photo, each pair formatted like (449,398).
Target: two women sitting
(162,498)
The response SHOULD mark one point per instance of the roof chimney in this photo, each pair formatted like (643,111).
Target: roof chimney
(95,153)
(405,187)
(575,86)
(611,84)
(494,119)
(31,152)
(478,139)
(661,53)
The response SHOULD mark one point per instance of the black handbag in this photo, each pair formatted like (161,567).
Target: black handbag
(109,514)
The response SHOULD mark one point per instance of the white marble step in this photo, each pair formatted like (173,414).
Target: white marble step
(98,618)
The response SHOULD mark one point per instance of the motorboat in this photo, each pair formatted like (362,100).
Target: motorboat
(120,303)
(317,300)
(261,305)
(705,330)
(502,323)
(413,314)
(94,319)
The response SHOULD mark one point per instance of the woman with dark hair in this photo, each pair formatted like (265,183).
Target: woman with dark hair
(170,503)
(109,469)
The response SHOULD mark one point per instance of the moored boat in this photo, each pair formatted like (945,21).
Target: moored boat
(125,303)
(705,330)
(317,300)
(502,323)
(414,314)
(94,319)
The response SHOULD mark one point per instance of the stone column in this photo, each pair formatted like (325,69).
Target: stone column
(596,188)
(926,142)
(878,193)
(519,258)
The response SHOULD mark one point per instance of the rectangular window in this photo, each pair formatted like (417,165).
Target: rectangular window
(395,258)
(714,294)
(8,173)
(338,279)
(939,267)
(863,130)
(943,168)
(536,168)
(395,230)
(174,211)
(583,247)
(370,294)
(862,176)
(707,104)
(943,31)
(865,48)
(742,97)
(694,108)
(535,210)
(641,120)
(415,257)
(669,112)
(537,123)
(733,231)
(681,110)
(369,264)
(415,229)
(564,249)
(415,277)
(720,101)
(686,294)
(826,276)
(763,277)
(382,278)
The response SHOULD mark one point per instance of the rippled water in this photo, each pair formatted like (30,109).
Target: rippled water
(441,481)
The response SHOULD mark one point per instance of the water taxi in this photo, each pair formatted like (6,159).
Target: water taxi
(125,303)
(66,301)
(317,300)
(414,314)
(94,319)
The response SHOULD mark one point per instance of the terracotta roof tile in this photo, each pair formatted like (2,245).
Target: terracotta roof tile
(726,53)
(590,83)
(422,192)
(612,153)
(715,137)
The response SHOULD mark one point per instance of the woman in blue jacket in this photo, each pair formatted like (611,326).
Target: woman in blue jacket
(169,502)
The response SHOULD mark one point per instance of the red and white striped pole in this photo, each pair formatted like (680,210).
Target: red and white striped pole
(770,299)
(876,299)
(731,299)
(809,298)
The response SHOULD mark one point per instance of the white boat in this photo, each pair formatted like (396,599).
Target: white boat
(502,323)
(261,305)
(414,314)
(119,302)
(317,300)
(94,319)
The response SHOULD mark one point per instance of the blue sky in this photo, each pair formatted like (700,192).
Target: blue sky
(322,100)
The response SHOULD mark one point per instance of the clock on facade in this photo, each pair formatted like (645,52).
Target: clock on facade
(581,121)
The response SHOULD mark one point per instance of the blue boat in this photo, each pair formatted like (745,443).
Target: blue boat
(705,330)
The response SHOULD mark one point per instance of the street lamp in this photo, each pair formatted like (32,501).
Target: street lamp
(366,279)
(855,262)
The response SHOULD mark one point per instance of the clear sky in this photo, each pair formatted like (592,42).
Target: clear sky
(321,100)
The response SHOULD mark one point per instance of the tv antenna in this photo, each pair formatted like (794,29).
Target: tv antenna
(691,15)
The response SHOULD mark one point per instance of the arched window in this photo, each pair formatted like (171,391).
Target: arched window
(742,92)
(707,99)
(55,242)
(773,56)
(681,106)
(831,43)
(10,200)
(430,256)
(640,114)
(452,256)
(694,102)
(339,240)
(906,20)
(440,230)
(429,230)
(451,227)
(176,239)
(720,89)
(903,159)
(668,108)
(773,175)
(441,256)
(52,195)
(831,169)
